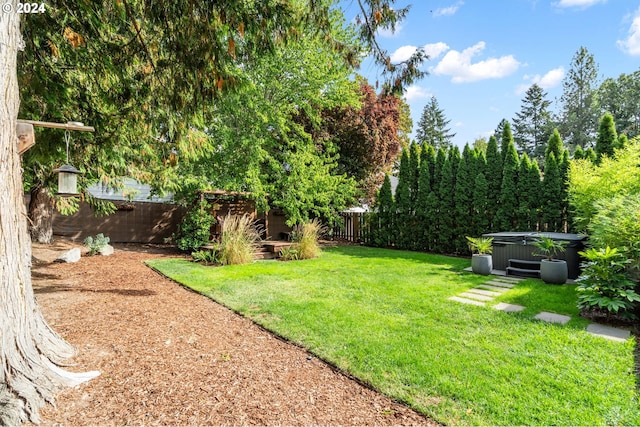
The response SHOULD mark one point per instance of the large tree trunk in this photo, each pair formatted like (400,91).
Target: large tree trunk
(29,348)
(41,215)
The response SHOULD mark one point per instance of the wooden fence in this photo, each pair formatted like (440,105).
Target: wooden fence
(353,228)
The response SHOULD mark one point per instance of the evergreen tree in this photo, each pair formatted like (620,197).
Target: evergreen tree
(622,141)
(412,226)
(463,200)
(508,203)
(590,154)
(499,129)
(566,220)
(432,127)
(428,155)
(480,218)
(531,125)
(403,202)
(607,138)
(432,226)
(579,103)
(414,171)
(506,139)
(446,232)
(441,156)
(382,227)
(493,176)
(422,206)
(578,153)
(524,194)
(536,195)
(554,145)
(552,193)
(454,155)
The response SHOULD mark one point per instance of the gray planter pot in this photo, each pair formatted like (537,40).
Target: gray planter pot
(554,271)
(481,264)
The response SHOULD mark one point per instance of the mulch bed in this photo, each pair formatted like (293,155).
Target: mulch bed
(169,356)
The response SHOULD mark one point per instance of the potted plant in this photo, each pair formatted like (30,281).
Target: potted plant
(551,270)
(481,261)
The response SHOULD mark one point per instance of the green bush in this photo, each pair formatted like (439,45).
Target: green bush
(95,244)
(207,256)
(239,240)
(195,228)
(604,284)
(289,254)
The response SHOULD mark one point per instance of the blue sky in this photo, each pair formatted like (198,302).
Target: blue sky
(486,53)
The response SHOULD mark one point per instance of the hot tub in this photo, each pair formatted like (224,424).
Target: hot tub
(517,245)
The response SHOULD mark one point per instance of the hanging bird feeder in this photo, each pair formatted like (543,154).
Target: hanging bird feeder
(67,174)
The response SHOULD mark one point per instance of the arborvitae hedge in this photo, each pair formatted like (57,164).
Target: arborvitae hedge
(442,197)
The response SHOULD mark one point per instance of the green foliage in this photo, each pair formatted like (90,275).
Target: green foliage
(446,221)
(207,256)
(554,145)
(480,245)
(383,219)
(607,138)
(552,195)
(195,229)
(95,244)
(578,153)
(463,200)
(617,224)
(305,239)
(508,202)
(531,124)
(493,175)
(403,208)
(289,254)
(432,127)
(528,189)
(613,177)
(480,205)
(548,247)
(604,284)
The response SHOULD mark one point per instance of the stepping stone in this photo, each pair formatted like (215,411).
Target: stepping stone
(552,317)
(608,332)
(509,308)
(500,284)
(467,301)
(499,289)
(476,296)
(508,279)
(484,292)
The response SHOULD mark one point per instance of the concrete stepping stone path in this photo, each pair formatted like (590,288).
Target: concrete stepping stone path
(497,285)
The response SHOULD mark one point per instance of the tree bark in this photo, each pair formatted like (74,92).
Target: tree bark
(41,216)
(29,348)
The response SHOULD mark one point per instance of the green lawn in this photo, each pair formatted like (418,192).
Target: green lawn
(383,316)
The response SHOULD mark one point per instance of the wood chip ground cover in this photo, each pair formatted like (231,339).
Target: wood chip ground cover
(169,356)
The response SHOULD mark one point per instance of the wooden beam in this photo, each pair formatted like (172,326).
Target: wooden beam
(68,125)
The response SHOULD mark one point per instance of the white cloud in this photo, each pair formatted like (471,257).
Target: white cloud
(631,44)
(435,49)
(458,65)
(416,92)
(404,52)
(581,4)
(550,80)
(448,11)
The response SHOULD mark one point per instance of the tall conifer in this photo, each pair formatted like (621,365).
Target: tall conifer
(607,137)
(382,227)
(480,219)
(403,201)
(446,219)
(463,200)
(493,175)
(552,189)
(508,203)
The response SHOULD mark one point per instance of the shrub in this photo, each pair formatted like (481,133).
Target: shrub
(207,256)
(305,238)
(547,247)
(239,239)
(195,228)
(604,284)
(95,244)
(289,254)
